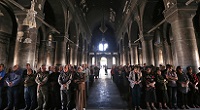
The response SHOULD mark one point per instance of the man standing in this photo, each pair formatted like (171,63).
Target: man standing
(13,81)
(42,88)
(29,88)
(64,80)
(2,74)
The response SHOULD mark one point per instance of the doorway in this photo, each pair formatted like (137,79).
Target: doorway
(103,62)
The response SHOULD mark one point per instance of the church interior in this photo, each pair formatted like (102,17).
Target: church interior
(103,34)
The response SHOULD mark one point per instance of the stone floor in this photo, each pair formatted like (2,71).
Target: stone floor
(104,94)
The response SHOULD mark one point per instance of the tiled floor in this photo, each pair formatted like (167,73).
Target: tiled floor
(104,95)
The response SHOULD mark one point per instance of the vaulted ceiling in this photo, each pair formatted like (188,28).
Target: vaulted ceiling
(97,10)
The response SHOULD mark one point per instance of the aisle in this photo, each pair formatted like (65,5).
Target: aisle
(104,94)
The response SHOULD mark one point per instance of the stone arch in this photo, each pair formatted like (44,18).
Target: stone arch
(126,56)
(54,14)
(80,49)
(72,32)
(8,32)
(153,14)
(134,35)
(126,40)
(167,47)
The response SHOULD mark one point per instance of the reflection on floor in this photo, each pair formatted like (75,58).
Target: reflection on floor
(104,94)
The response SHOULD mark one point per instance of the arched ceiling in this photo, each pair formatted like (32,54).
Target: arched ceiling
(153,14)
(96,10)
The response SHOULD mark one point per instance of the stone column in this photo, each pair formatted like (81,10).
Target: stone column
(184,39)
(25,45)
(140,56)
(60,50)
(147,50)
(68,53)
(120,55)
(158,54)
(50,53)
(73,54)
(167,53)
(6,49)
(134,53)
(86,54)
(42,51)
(124,56)
(83,55)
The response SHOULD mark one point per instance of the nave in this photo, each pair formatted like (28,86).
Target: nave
(104,94)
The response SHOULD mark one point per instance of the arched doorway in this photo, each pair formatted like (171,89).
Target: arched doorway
(103,62)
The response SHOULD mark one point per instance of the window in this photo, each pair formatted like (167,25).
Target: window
(103,47)
(93,60)
(114,61)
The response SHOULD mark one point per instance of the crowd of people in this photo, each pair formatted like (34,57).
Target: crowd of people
(67,87)
(160,87)
(58,87)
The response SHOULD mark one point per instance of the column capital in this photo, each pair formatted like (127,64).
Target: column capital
(132,44)
(21,16)
(179,10)
(147,37)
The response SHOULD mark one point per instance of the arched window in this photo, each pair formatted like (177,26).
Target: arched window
(93,60)
(114,61)
(103,45)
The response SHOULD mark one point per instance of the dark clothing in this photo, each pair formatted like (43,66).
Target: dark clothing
(12,94)
(193,93)
(136,95)
(161,82)
(14,78)
(54,90)
(182,82)
(29,80)
(42,89)
(150,90)
(151,95)
(162,96)
(65,78)
(30,97)
(171,83)
(2,74)
(96,72)
(172,91)
(161,89)
(13,90)
(172,88)
(29,90)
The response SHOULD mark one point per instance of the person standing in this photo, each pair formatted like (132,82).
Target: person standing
(79,79)
(13,81)
(2,74)
(87,74)
(150,81)
(183,87)
(135,78)
(54,89)
(193,85)
(29,88)
(64,80)
(42,88)
(171,77)
(161,90)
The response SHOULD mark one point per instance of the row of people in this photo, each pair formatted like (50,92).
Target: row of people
(58,88)
(159,85)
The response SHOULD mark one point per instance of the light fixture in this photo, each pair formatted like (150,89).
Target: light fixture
(103,27)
